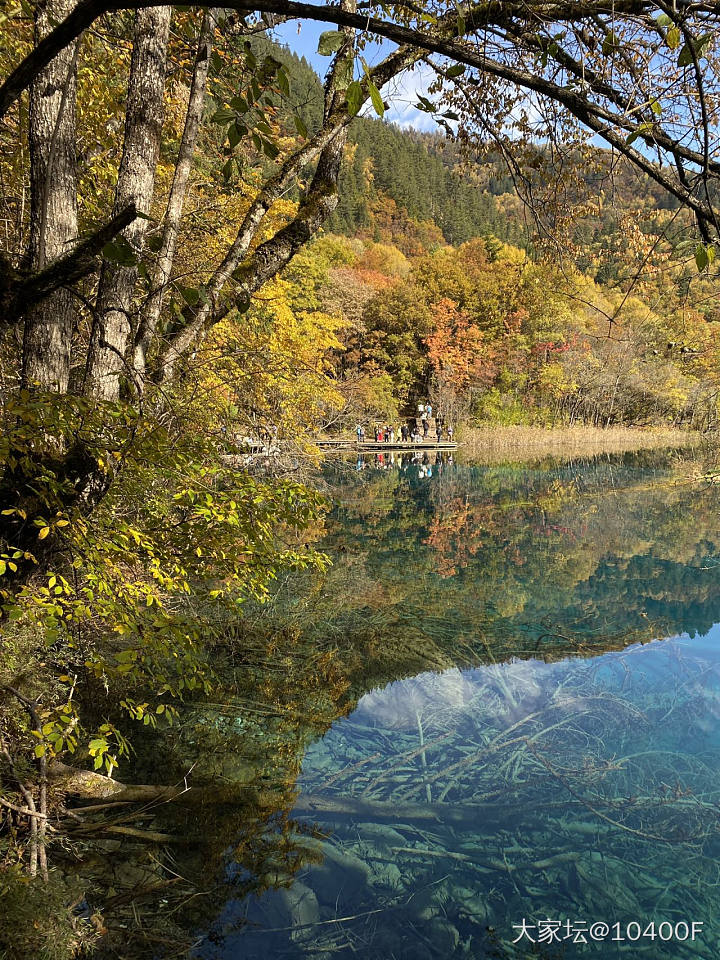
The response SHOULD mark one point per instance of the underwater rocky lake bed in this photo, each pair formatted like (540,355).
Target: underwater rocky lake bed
(529,763)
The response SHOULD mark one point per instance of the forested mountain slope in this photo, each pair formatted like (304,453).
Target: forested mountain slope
(576,307)
(415,188)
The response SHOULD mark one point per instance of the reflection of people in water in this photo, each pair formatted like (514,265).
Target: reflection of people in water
(424,460)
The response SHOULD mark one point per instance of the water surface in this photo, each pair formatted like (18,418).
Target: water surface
(530,765)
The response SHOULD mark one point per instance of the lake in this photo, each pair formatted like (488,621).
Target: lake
(529,761)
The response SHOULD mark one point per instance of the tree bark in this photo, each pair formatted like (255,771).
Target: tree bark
(110,336)
(318,204)
(178,191)
(53,204)
(24,292)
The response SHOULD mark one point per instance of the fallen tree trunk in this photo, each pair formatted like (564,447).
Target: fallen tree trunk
(335,808)
(95,786)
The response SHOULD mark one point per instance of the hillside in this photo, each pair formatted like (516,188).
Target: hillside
(413,188)
(443,283)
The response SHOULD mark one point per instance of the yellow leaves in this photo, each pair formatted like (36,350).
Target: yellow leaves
(44,531)
(510,254)
(553,381)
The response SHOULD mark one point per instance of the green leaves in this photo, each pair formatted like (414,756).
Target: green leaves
(455,71)
(610,44)
(236,131)
(376,99)
(283,81)
(704,256)
(223,115)
(672,34)
(120,252)
(694,49)
(672,38)
(427,106)
(354,97)
(642,130)
(330,42)
(252,110)
(239,104)
(191,295)
(686,56)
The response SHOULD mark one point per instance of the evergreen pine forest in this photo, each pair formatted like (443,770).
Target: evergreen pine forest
(206,248)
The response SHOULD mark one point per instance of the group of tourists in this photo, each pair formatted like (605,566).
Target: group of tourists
(422,429)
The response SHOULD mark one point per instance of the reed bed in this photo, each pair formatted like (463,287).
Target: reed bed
(519,442)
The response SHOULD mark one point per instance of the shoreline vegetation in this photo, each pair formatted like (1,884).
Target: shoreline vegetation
(497,442)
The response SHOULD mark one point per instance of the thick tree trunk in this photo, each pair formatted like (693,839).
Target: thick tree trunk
(53,210)
(178,191)
(110,337)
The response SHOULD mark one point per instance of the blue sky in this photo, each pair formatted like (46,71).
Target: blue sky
(302,38)
(401,94)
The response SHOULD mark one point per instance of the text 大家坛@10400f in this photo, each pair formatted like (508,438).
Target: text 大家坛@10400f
(596,931)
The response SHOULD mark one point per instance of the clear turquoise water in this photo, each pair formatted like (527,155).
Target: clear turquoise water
(547,760)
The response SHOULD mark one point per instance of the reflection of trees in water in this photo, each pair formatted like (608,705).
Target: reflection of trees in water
(384,611)
(240,757)
(581,551)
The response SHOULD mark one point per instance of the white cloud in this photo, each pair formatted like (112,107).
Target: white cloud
(401,94)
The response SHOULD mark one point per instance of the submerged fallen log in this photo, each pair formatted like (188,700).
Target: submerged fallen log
(343,808)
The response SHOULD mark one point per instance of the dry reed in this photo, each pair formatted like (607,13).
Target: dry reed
(520,442)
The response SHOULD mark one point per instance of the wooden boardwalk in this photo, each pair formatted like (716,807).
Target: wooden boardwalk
(380,445)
